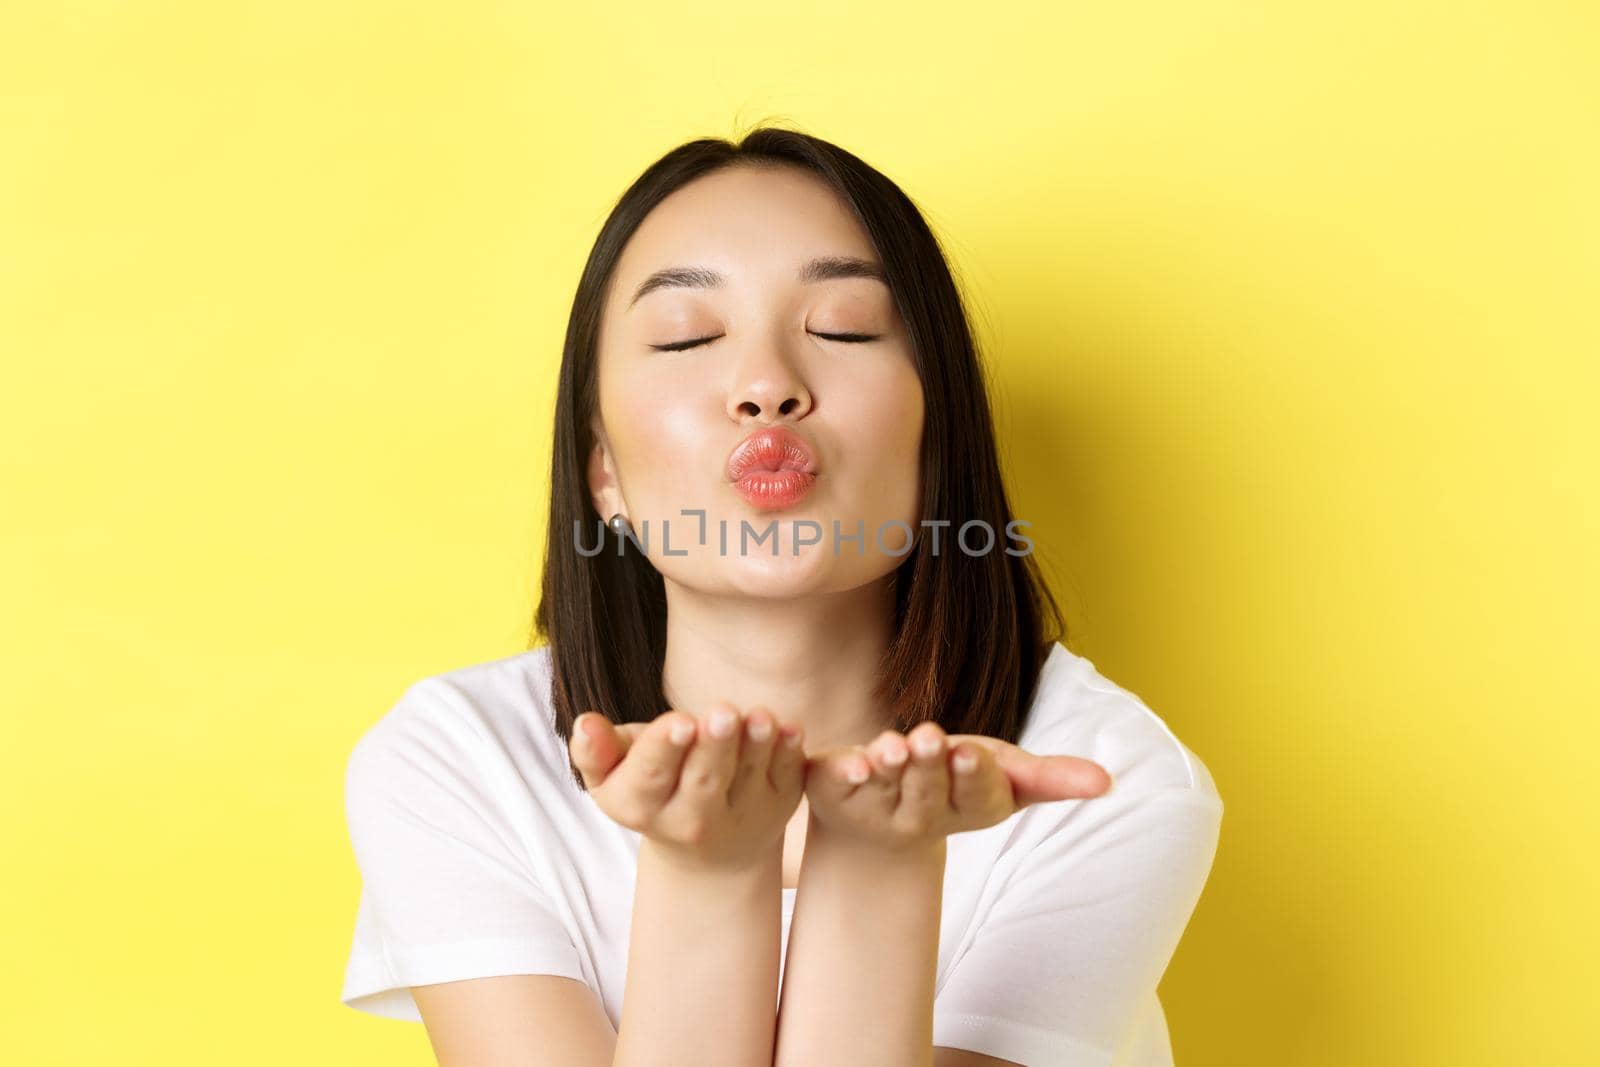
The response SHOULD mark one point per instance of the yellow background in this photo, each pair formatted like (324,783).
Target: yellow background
(1291,314)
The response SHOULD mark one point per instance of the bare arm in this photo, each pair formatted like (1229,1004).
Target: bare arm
(702,982)
(702,964)
(863,945)
(517,1019)
(546,1019)
(702,976)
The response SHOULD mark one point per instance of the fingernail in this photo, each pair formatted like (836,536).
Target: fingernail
(721,723)
(926,745)
(792,737)
(856,773)
(760,729)
(681,733)
(894,756)
(964,762)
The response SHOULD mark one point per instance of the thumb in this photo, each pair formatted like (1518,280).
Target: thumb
(1037,779)
(596,746)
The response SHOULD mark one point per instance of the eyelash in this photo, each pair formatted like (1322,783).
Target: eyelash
(846,338)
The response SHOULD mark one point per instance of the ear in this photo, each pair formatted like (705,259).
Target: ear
(604,489)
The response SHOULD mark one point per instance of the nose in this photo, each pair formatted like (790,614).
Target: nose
(767,388)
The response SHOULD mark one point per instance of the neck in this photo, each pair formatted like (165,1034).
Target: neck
(811,660)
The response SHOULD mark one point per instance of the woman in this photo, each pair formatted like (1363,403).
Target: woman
(881,799)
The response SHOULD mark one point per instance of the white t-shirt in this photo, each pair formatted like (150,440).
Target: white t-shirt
(480,856)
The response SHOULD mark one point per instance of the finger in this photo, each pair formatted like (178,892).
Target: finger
(787,771)
(755,755)
(628,733)
(595,747)
(1044,778)
(889,753)
(979,789)
(601,744)
(926,785)
(625,734)
(834,774)
(853,767)
(649,776)
(1040,778)
(708,770)
(883,774)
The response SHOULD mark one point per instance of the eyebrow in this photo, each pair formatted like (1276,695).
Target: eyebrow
(821,269)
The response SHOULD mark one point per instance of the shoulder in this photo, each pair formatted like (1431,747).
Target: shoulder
(1077,711)
(456,723)
(1157,828)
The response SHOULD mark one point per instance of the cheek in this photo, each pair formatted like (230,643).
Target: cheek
(885,418)
(897,412)
(657,433)
(909,416)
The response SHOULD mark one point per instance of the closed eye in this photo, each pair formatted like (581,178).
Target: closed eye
(847,338)
(679,346)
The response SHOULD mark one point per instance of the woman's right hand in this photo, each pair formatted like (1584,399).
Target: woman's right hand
(714,792)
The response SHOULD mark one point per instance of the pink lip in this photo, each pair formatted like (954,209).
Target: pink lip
(772,468)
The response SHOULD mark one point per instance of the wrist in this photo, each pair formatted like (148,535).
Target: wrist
(685,863)
(914,854)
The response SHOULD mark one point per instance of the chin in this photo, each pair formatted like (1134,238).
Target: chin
(785,575)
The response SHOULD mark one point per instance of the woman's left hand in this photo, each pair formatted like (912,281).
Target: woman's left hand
(906,790)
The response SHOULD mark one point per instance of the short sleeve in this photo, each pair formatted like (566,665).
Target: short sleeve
(440,841)
(1066,961)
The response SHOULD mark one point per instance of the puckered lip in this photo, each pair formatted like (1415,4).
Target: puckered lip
(771,448)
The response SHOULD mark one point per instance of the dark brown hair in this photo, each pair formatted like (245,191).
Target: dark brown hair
(970,631)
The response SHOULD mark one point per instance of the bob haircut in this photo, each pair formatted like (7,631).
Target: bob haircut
(970,633)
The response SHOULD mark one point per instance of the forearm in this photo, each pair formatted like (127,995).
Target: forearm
(702,965)
(863,949)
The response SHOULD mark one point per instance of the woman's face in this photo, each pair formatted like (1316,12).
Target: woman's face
(743,246)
